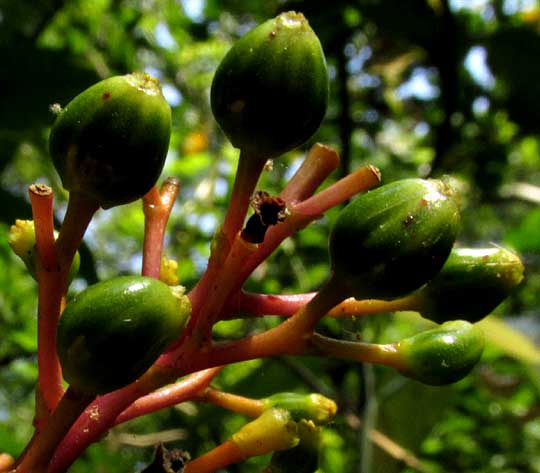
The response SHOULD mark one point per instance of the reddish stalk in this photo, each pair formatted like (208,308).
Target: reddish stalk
(157,206)
(49,388)
(225,282)
(356,351)
(182,391)
(100,415)
(239,404)
(319,163)
(223,455)
(247,304)
(248,172)
(109,407)
(37,457)
(247,175)
(303,213)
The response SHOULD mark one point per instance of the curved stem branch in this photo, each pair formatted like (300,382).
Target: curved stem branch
(36,459)
(182,391)
(157,208)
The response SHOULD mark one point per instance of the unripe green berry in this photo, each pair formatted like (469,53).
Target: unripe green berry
(392,240)
(442,355)
(471,284)
(270,92)
(110,142)
(113,331)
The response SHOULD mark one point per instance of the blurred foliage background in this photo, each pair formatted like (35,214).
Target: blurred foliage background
(418,88)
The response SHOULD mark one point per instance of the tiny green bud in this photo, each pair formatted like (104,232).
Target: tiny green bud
(112,332)
(314,407)
(22,240)
(270,92)
(442,355)
(392,240)
(273,430)
(471,284)
(110,142)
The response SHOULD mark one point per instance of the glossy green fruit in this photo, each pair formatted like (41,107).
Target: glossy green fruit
(471,284)
(315,407)
(113,331)
(392,240)
(270,92)
(110,142)
(442,355)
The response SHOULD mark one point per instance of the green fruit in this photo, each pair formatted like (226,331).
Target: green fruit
(392,240)
(110,142)
(314,407)
(112,332)
(471,284)
(442,355)
(270,92)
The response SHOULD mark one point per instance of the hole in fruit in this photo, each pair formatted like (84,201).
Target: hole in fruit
(269,210)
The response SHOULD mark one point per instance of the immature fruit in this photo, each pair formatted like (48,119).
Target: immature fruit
(270,92)
(442,355)
(471,284)
(392,240)
(112,332)
(110,142)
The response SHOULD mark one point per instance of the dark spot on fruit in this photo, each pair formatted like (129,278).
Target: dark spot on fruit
(408,220)
(272,34)
(106,96)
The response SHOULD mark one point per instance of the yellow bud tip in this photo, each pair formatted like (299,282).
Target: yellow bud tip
(144,82)
(168,272)
(22,238)
(272,431)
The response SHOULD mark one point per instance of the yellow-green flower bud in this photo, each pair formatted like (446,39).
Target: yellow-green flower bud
(273,430)
(315,407)
(22,240)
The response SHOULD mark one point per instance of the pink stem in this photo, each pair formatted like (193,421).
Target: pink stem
(157,208)
(305,212)
(319,163)
(249,304)
(265,304)
(182,391)
(247,175)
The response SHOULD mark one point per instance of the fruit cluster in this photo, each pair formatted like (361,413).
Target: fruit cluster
(133,337)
